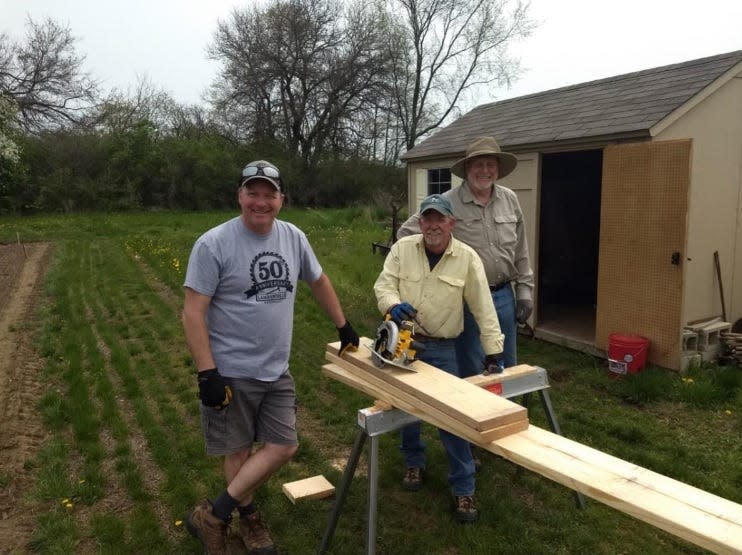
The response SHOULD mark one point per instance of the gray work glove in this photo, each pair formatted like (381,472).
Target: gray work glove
(523,309)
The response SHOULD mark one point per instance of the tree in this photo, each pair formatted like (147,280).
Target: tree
(43,77)
(443,48)
(297,71)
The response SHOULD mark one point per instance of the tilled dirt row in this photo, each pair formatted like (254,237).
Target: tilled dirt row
(22,269)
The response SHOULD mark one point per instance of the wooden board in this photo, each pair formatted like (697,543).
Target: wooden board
(692,514)
(379,389)
(316,487)
(697,516)
(481,380)
(462,401)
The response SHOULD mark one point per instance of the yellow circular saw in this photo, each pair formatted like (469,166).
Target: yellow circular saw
(394,343)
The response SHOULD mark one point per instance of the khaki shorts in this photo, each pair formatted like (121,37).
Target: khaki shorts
(260,412)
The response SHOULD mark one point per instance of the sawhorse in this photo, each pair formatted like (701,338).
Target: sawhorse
(373,422)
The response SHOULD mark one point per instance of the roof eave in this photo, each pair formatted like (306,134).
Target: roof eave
(579,143)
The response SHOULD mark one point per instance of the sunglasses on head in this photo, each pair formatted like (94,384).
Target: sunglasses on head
(266,171)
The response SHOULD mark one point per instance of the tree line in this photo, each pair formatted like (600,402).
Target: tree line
(332,91)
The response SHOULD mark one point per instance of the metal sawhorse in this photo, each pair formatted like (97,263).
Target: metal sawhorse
(373,422)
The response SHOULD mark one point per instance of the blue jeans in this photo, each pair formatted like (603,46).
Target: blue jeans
(469,352)
(442,354)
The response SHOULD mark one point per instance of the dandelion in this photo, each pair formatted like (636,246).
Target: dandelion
(179,523)
(728,412)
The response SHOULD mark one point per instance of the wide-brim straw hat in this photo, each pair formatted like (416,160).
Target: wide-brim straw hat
(486,146)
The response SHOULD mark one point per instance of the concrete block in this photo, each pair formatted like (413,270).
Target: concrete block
(691,360)
(709,336)
(690,341)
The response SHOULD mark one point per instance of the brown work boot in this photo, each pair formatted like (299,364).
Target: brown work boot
(465,509)
(212,531)
(255,535)
(413,479)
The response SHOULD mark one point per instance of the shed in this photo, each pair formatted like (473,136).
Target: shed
(628,185)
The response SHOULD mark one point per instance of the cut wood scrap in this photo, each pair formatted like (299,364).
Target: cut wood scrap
(473,406)
(349,375)
(316,487)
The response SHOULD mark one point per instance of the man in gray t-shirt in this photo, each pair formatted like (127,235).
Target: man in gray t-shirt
(240,289)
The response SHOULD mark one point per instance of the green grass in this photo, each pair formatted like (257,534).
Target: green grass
(126,449)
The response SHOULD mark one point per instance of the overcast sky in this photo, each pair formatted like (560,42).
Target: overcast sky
(576,41)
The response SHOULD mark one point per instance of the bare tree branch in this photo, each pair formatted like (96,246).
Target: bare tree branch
(43,76)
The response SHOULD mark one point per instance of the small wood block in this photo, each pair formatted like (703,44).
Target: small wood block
(316,487)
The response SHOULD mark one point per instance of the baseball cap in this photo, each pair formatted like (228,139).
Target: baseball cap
(260,169)
(439,203)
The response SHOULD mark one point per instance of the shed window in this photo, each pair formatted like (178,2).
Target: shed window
(439,180)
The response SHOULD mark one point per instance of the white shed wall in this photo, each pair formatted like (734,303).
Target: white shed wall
(715,203)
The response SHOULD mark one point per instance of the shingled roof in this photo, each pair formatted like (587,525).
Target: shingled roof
(624,106)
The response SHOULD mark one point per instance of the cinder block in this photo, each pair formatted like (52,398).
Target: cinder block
(711,354)
(709,338)
(690,341)
(689,361)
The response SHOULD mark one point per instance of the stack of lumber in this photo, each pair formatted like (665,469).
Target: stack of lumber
(732,343)
(692,514)
(473,412)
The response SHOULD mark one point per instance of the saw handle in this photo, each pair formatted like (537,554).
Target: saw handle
(402,311)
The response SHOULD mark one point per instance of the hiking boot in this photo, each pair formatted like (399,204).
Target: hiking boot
(413,479)
(465,509)
(211,530)
(255,535)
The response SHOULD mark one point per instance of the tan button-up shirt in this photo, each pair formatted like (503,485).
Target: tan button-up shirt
(494,230)
(438,294)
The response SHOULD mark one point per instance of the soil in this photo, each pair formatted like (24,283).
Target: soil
(22,269)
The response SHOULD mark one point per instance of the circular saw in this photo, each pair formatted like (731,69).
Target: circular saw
(394,343)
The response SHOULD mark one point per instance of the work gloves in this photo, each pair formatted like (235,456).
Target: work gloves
(523,309)
(348,338)
(402,311)
(213,390)
(493,364)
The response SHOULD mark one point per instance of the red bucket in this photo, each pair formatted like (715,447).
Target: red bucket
(627,354)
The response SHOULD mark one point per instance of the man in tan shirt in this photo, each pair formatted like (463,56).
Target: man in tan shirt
(426,279)
(489,219)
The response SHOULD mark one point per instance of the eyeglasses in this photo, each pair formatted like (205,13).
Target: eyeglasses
(266,171)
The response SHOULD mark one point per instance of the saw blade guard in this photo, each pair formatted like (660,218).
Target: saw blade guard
(387,340)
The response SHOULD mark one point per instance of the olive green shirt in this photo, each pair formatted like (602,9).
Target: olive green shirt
(494,230)
(438,294)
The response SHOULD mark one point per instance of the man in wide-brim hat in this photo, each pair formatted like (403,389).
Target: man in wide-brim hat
(489,219)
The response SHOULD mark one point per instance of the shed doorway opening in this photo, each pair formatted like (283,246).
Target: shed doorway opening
(569,234)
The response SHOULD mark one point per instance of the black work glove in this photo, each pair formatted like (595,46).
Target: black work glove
(493,364)
(402,311)
(348,338)
(212,390)
(523,309)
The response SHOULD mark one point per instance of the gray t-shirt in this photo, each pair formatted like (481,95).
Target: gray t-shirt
(251,280)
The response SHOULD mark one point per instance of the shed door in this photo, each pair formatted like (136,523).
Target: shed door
(644,203)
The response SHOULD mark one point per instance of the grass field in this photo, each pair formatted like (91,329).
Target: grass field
(125,458)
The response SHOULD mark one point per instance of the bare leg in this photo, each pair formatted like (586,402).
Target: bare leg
(245,472)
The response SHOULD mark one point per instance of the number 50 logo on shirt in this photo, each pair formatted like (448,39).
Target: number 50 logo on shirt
(271,278)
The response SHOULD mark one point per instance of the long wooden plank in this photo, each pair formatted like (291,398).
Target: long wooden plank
(692,514)
(461,400)
(674,513)
(347,373)
(707,502)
